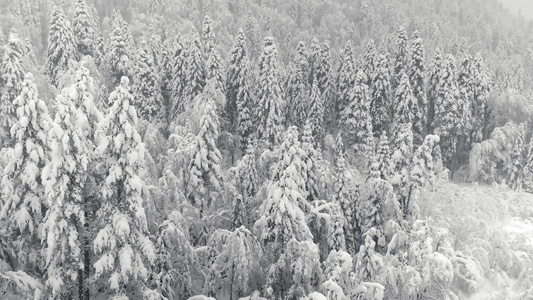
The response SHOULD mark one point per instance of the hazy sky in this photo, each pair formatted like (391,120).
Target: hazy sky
(525,6)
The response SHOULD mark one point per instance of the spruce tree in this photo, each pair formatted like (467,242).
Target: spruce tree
(433,87)
(384,159)
(61,46)
(356,120)
(369,62)
(208,36)
(11,79)
(400,57)
(205,168)
(416,71)
(245,106)
(405,105)
(84,30)
(345,79)
(425,162)
(481,90)
(315,114)
(312,162)
(146,89)
(270,105)
(168,51)
(380,95)
(23,204)
(234,76)
(120,53)
(123,250)
(195,72)
(313,60)
(401,161)
(518,160)
(64,179)
(215,69)
(324,81)
(178,79)
(295,91)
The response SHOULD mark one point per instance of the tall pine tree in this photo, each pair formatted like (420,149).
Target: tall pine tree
(416,72)
(380,105)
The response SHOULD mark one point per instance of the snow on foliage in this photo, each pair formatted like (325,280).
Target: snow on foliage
(61,46)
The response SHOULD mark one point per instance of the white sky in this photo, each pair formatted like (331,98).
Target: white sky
(524,6)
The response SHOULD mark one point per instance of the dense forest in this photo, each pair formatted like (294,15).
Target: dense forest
(265,149)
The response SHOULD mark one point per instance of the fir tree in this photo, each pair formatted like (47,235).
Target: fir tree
(178,79)
(381,102)
(315,115)
(516,174)
(244,174)
(270,104)
(205,171)
(369,62)
(400,57)
(528,169)
(425,162)
(336,236)
(146,90)
(313,60)
(401,160)
(386,166)
(64,180)
(345,79)
(120,52)
(415,72)
(324,81)
(295,91)
(357,124)
(214,70)
(234,77)
(61,46)
(122,248)
(448,117)
(11,79)
(433,87)
(208,36)
(312,162)
(405,105)
(481,89)
(84,30)
(245,106)
(195,73)
(23,204)
(168,52)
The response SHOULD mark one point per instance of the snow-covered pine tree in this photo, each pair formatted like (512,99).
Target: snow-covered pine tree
(324,81)
(384,159)
(205,171)
(23,202)
(416,72)
(315,115)
(100,47)
(11,79)
(214,70)
(448,117)
(380,95)
(146,90)
(369,62)
(346,193)
(516,174)
(64,179)
(528,169)
(336,235)
(244,175)
(296,88)
(245,106)
(400,57)
(405,105)
(234,76)
(61,46)
(270,105)
(434,82)
(154,46)
(355,117)
(195,73)
(122,248)
(401,160)
(312,161)
(178,79)
(84,30)
(369,264)
(481,89)
(425,162)
(167,62)
(313,59)
(120,54)
(208,36)
(345,79)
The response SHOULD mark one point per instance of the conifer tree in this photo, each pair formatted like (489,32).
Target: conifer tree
(336,239)
(244,174)
(270,105)
(215,69)
(386,166)
(416,71)
(84,30)
(23,205)
(448,117)
(357,124)
(315,114)
(425,162)
(346,193)
(295,91)
(208,36)
(205,171)
(61,46)
(11,79)
(345,78)
(122,248)
(433,87)
(401,161)
(324,81)
(100,47)
(528,168)
(516,174)
(146,89)
(120,51)
(195,73)
(234,77)
(167,62)
(481,89)
(400,57)
(312,162)
(64,179)
(245,106)
(380,95)
(313,60)
(178,79)
(405,105)
(369,62)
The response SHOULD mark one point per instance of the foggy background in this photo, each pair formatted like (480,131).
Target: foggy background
(524,7)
